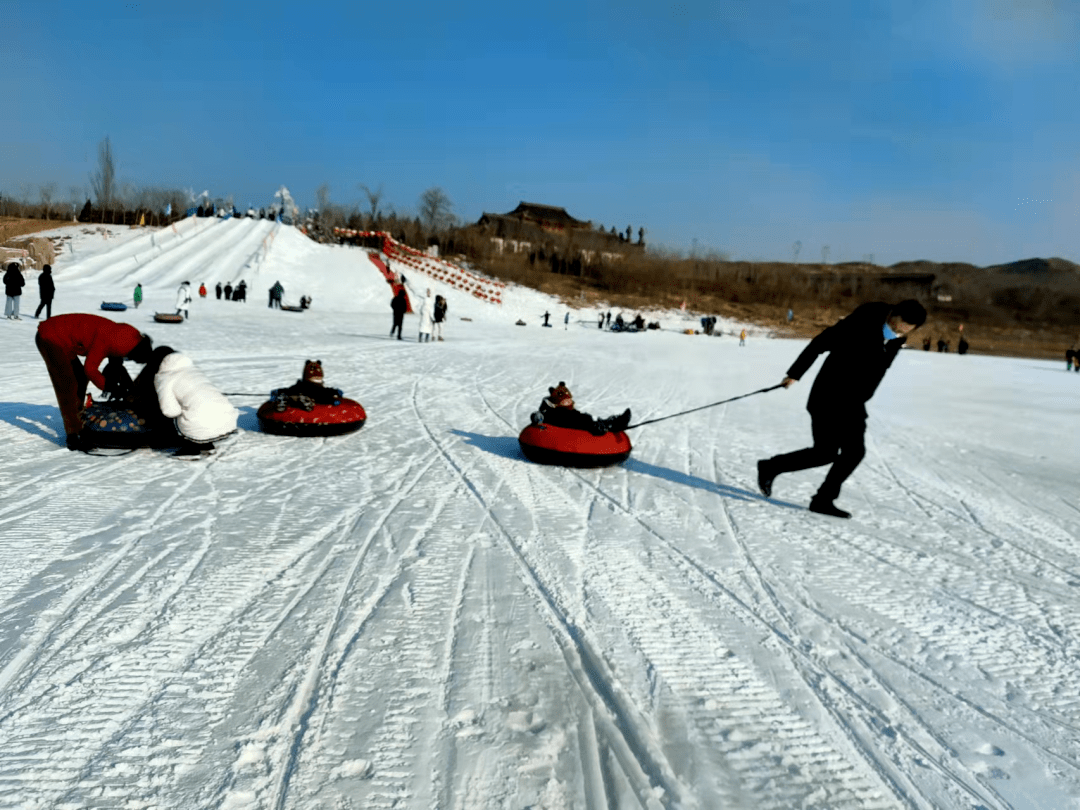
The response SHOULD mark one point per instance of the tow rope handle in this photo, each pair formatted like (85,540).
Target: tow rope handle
(703,407)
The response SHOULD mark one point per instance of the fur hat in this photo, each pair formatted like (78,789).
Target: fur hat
(561,395)
(313,372)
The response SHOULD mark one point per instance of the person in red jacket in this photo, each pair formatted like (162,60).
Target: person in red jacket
(63,339)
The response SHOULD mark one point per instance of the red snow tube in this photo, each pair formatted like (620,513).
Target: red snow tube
(322,420)
(567,447)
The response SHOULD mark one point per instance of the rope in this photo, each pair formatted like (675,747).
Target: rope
(243,394)
(703,407)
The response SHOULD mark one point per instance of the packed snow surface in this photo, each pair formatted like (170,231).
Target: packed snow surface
(414,616)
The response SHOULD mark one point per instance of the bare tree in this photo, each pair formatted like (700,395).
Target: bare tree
(103,180)
(436,210)
(322,200)
(46,193)
(373,200)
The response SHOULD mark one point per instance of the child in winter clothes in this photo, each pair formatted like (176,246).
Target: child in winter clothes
(183,299)
(427,314)
(307,392)
(557,409)
(200,412)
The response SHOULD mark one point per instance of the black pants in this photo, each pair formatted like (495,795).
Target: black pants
(46,304)
(398,321)
(839,439)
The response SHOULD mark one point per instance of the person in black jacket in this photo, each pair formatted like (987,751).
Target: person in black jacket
(13,284)
(399,305)
(861,348)
(46,289)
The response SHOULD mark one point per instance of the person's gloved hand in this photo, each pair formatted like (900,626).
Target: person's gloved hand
(536,418)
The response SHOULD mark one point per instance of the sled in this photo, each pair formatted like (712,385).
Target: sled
(291,308)
(168,317)
(321,420)
(569,447)
(113,306)
(114,426)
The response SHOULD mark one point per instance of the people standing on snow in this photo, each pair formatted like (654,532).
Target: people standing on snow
(440,317)
(547,317)
(239,292)
(399,305)
(63,339)
(742,338)
(600,324)
(13,285)
(228,291)
(183,299)
(427,315)
(201,414)
(566,321)
(277,292)
(557,409)
(202,290)
(46,291)
(137,295)
(861,347)
(217,290)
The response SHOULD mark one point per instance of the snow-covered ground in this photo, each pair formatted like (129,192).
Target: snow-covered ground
(413,616)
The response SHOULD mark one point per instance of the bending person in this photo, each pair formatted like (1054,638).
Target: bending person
(63,339)
(199,411)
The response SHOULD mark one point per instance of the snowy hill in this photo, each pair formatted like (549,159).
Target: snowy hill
(413,616)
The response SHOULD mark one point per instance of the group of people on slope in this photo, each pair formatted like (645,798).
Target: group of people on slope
(432,315)
(175,398)
(231,293)
(14,281)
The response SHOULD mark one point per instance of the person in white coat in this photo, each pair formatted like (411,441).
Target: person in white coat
(427,314)
(199,411)
(183,299)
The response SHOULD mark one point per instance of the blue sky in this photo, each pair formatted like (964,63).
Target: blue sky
(907,129)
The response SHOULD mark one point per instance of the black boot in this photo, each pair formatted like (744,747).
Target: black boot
(765,477)
(827,507)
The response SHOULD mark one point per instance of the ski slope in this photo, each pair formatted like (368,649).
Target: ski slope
(413,616)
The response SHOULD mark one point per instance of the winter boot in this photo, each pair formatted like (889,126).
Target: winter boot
(620,422)
(765,477)
(824,507)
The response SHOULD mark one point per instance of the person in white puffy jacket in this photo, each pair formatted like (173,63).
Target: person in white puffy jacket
(183,299)
(200,412)
(427,314)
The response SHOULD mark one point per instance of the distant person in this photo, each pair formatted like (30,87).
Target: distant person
(547,319)
(557,409)
(566,321)
(277,292)
(861,347)
(218,290)
(790,315)
(926,343)
(228,291)
(962,345)
(742,338)
(137,295)
(13,286)
(600,325)
(1069,354)
(608,317)
(399,306)
(440,317)
(46,291)
(183,299)
(239,292)
(63,339)
(427,315)
(202,290)
(942,345)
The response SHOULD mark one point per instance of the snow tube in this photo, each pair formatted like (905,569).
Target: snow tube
(168,317)
(291,308)
(322,420)
(114,426)
(567,447)
(113,306)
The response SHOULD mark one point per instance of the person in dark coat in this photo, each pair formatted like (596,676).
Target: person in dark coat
(46,290)
(308,391)
(557,409)
(13,285)
(861,347)
(276,294)
(399,305)
(228,291)
(217,290)
(64,339)
(239,293)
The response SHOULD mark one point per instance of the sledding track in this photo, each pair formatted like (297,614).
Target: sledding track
(413,616)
